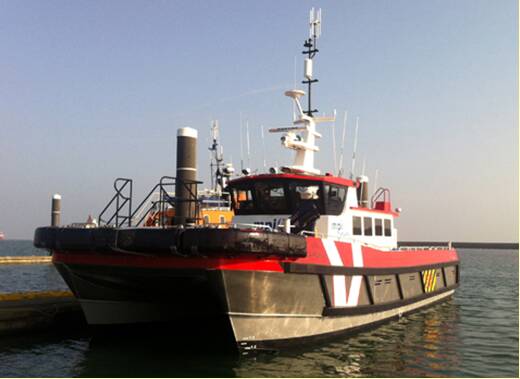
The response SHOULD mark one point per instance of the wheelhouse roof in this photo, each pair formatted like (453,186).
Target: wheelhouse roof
(317,178)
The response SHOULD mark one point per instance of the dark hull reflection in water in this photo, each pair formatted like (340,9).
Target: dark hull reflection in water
(421,344)
(158,355)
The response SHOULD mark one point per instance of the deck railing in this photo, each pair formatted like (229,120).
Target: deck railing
(148,206)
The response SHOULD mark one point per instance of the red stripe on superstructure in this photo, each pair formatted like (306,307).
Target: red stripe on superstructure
(169,262)
(379,259)
(372,210)
(376,258)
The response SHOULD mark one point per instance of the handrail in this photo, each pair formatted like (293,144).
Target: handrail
(381,192)
(160,205)
(121,200)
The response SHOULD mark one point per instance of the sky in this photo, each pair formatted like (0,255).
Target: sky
(94,90)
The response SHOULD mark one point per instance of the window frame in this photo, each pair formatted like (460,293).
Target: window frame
(380,234)
(365,227)
(354,219)
(340,203)
(388,222)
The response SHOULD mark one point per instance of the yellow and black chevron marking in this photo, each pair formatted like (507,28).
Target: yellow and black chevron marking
(429,280)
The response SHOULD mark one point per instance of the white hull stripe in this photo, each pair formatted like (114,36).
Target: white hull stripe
(355,285)
(338,281)
(332,252)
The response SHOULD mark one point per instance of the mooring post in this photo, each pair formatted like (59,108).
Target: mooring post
(56,210)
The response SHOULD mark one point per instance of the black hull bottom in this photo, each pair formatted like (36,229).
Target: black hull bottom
(251,310)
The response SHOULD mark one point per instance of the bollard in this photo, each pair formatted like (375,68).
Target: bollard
(56,210)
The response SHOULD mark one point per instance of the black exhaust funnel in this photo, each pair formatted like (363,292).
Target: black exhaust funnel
(185,183)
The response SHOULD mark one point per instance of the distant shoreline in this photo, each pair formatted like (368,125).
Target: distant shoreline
(463,245)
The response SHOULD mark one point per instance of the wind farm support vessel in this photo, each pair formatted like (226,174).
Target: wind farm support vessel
(307,256)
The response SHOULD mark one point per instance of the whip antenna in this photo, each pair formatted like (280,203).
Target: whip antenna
(248,146)
(354,150)
(263,146)
(241,147)
(340,172)
(334,142)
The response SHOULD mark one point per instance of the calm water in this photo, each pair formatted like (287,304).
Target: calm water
(474,334)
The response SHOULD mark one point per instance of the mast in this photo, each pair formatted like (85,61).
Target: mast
(217,156)
(310,45)
(302,136)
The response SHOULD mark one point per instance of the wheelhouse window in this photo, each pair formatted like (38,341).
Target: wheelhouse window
(303,195)
(378,226)
(335,199)
(367,223)
(388,228)
(271,198)
(356,226)
(243,200)
(286,196)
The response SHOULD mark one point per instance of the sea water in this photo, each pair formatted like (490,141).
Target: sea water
(473,334)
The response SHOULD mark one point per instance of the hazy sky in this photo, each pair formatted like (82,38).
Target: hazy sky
(93,90)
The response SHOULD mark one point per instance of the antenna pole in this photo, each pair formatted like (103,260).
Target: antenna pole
(310,45)
(354,150)
(334,143)
(241,147)
(263,146)
(294,86)
(248,146)
(340,173)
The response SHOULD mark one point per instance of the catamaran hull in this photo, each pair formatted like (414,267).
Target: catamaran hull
(261,309)
(256,332)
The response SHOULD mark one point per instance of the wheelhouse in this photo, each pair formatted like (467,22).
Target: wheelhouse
(286,194)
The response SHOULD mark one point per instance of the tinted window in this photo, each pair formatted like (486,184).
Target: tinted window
(356,226)
(243,199)
(306,193)
(388,228)
(283,196)
(379,226)
(335,199)
(271,197)
(367,221)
